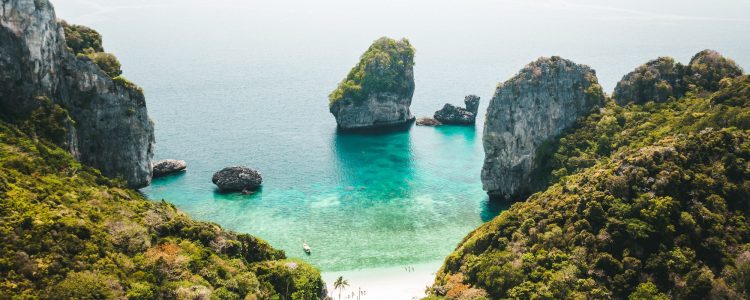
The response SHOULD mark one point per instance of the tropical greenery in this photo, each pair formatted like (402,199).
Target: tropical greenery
(67,232)
(663,78)
(385,67)
(340,284)
(646,201)
(86,43)
(81,39)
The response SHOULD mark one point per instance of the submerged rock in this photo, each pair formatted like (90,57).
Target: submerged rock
(451,114)
(110,128)
(427,121)
(236,179)
(377,92)
(543,99)
(168,166)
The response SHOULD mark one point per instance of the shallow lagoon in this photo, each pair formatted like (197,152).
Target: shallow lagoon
(246,82)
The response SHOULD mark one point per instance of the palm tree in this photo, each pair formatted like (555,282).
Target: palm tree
(340,284)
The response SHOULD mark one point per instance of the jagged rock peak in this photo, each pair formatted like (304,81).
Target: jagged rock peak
(451,114)
(377,92)
(536,105)
(111,130)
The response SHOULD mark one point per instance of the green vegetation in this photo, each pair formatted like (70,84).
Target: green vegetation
(107,62)
(85,42)
(81,39)
(385,67)
(663,79)
(68,232)
(645,201)
(124,82)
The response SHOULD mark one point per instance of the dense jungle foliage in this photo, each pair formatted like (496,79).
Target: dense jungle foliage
(646,201)
(385,67)
(67,232)
(86,43)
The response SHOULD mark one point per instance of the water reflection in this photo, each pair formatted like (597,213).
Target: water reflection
(378,166)
(468,132)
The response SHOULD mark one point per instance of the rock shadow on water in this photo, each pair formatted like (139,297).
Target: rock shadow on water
(379,130)
(237,195)
(374,166)
(468,132)
(491,209)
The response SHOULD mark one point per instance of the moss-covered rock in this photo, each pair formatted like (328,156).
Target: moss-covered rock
(708,68)
(657,80)
(662,79)
(378,90)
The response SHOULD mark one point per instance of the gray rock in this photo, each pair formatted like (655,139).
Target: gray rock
(379,110)
(239,178)
(168,166)
(427,121)
(472,104)
(451,114)
(111,130)
(543,99)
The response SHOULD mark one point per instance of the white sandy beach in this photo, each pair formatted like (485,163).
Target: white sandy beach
(385,283)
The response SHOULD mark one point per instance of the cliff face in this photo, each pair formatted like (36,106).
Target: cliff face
(111,131)
(377,92)
(542,100)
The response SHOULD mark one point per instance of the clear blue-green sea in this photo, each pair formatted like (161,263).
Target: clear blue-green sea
(232,82)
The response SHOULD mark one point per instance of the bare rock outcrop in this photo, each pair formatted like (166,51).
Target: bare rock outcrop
(539,103)
(451,114)
(236,179)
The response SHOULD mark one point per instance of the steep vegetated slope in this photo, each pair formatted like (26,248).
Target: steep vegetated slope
(67,232)
(108,126)
(646,201)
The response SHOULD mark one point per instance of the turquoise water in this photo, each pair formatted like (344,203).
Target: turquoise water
(233,82)
(358,200)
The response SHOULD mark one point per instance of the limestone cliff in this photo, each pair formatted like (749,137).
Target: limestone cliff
(539,103)
(377,92)
(111,130)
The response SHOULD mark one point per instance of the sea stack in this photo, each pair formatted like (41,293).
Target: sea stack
(539,103)
(451,114)
(106,125)
(377,92)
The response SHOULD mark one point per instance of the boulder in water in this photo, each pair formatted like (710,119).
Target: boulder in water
(236,179)
(167,167)
(427,121)
(451,114)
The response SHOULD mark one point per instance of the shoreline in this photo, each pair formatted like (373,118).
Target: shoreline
(384,283)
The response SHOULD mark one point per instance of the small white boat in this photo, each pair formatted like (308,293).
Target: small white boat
(307,248)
